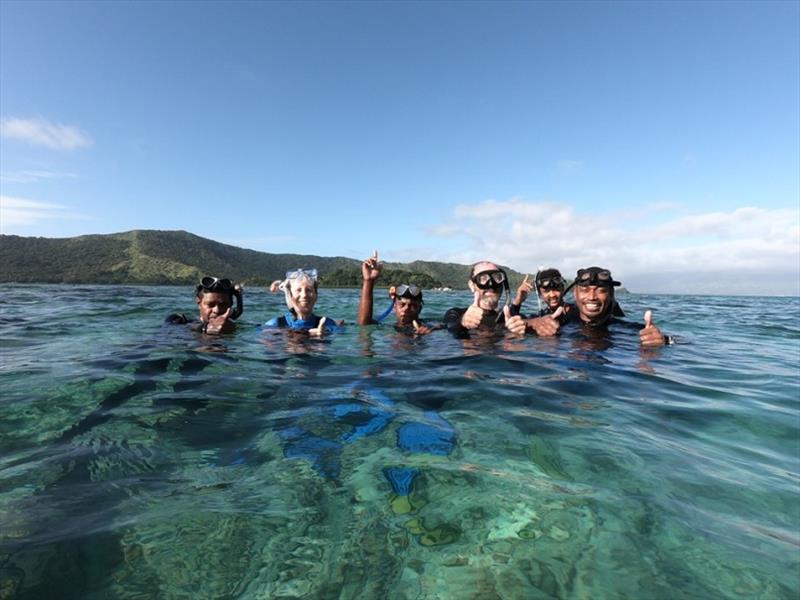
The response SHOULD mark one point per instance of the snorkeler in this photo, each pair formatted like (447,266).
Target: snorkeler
(596,308)
(406,301)
(487,282)
(301,288)
(219,302)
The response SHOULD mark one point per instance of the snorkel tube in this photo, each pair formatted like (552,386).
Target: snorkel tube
(507,290)
(237,295)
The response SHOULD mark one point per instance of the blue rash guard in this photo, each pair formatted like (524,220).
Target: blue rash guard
(290,321)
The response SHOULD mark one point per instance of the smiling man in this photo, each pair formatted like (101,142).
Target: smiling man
(596,308)
(487,283)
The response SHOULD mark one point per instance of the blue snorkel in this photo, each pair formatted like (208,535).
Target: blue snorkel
(386,312)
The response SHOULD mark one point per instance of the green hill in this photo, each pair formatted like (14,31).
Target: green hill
(179,257)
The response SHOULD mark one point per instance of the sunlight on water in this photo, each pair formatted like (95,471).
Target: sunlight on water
(139,461)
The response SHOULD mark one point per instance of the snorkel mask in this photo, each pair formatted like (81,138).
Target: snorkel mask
(296,274)
(597,276)
(222,286)
(493,279)
(549,279)
(404,290)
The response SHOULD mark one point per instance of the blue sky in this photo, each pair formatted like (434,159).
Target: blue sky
(659,139)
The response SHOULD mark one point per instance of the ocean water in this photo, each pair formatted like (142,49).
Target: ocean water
(141,461)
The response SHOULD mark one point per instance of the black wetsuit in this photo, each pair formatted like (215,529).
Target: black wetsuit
(452,320)
(182,319)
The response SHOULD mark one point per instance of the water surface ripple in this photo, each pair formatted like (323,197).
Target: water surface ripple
(139,461)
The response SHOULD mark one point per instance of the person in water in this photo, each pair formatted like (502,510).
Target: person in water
(550,286)
(301,290)
(219,303)
(488,283)
(406,301)
(596,308)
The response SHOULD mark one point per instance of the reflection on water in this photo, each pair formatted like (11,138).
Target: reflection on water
(140,461)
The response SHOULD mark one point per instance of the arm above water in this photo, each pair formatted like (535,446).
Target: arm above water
(370,272)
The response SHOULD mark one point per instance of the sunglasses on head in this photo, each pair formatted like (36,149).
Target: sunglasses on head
(489,279)
(298,273)
(215,284)
(408,291)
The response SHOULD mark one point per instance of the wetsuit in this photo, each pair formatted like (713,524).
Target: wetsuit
(573,318)
(452,321)
(182,319)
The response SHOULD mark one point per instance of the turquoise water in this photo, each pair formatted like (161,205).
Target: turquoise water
(142,462)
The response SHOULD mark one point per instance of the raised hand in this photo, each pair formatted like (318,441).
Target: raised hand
(319,330)
(515,324)
(547,325)
(220,323)
(522,291)
(371,268)
(650,336)
(275,286)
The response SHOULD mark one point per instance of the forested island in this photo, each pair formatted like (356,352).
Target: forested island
(149,257)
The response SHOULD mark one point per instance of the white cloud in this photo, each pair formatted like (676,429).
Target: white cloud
(41,132)
(21,211)
(33,176)
(525,235)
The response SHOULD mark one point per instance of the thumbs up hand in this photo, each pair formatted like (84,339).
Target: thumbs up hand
(547,325)
(515,324)
(319,330)
(650,336)
(420,329)
(474,316)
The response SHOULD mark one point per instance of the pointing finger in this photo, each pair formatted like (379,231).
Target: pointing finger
(375,256)
(524,281)
(559,311)
(507,312)
(648,318)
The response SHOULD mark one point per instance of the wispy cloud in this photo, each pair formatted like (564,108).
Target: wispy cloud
(525,235)
(34,176)
(568,167)
(41,132)
(22,211)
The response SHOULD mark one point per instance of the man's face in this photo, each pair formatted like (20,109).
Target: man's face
(490,297)
(213,304)
(593,302)
(551,296)
(407,310)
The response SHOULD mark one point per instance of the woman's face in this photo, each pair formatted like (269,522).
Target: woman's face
(304,294)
